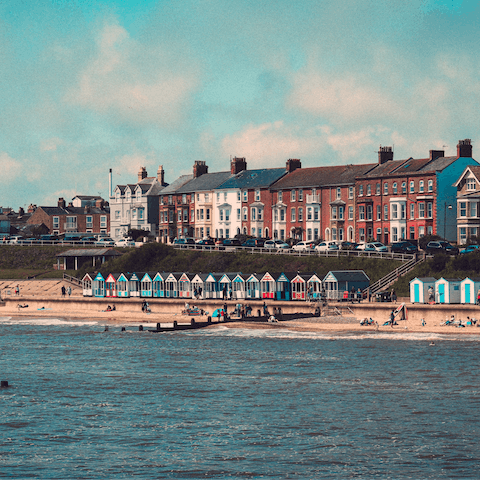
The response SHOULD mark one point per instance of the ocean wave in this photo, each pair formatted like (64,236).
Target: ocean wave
(44,321)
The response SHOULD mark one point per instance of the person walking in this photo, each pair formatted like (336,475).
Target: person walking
(63,291)
(17,290)
(69,290)
(392,318)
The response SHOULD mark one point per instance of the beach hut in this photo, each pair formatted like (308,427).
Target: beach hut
(111,285)
(469,288)
(122,286)
(239,286)
(447,290)
(314,287)
(87,285)
(337,282)
(198,284)
(146,285)
(185,285)
(212,289)
(267,286)
(158,288)
(171,285)
(299,287)
(225,285)
(252,286)
(134,284)
(419,289)
(99,286)
(283,288)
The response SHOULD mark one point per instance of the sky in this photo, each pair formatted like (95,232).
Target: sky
(89,85)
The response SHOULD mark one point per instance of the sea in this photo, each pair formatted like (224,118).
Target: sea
(85,403)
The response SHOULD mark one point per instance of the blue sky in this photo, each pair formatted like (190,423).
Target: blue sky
(91,85)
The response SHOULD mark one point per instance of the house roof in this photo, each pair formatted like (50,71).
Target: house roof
(90,252)
(254,178)
(175,185)
(349,275)
(50,211)
(321,176)
(207,181)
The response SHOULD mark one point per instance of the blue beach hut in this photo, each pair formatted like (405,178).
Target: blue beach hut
(212,286)
(171,285)
(314,287)
(283,288)
(159,285)
(252,287)
(419,289)
(469,288)
(146,286)
(239,286)
(99,286)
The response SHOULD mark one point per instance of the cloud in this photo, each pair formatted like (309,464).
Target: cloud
(11,168)
(133,82)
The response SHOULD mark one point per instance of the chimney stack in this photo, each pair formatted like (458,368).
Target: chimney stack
(237,165)
(434,154)
(293,164)
(464,148)
(61,203)
(161,175)
(385,154)
(142,173)
(199,168)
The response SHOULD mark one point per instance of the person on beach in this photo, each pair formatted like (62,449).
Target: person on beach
(478,297)
(17,290)
(69,290)
(392,318)
(225,292)
(63,291)
(431,296)
(265,309)
(359,295)
(423,322)
(352,294)
(393,296)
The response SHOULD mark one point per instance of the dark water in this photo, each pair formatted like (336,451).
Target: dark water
(224,403)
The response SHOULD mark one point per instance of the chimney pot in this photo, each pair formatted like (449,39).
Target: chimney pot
(199,168)
(293,164)
(385,154)
(434,154)
(464,148)
(237,165)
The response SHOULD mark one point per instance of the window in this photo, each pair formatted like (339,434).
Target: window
(421,232)
(56,222)
(361,234)
(340,234)
(404,187)
(340,212)
(207,197)
(275,214)
(140,213)
(184,198)
(430,185)
(421,210)
(245,214)
(315,233)
(412,233)
(412,187)
(412,210)
(292,215)
(350,213)
(463,235)
(309,234)
(170,199)
(385,188)
(470,184)
(421,186)
(218,197)
(377,189)
(403,215)
(300,214)
(385,212)
(238,213)
(394,234)
(253,231)
(339,193)
(429,210)
(293,194)
(360,191)
(350,192)
(334,213)
(221,215)
(394,211)
(334,234)
(280,196)
(253,214)
(227,215)
(257,195)
(239,196)
(473,209)
(207,211)
(245,196)
(369,190)
(89,221)
(361,212)
(260,214)
(379,212)
(394,188)
(103,221)
(463,209)
(282,214)
(369,212)
(315,214)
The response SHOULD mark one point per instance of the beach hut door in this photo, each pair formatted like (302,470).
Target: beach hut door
(416,293)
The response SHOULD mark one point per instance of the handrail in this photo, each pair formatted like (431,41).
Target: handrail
(74,280)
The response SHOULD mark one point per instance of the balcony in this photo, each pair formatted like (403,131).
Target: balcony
(313,198)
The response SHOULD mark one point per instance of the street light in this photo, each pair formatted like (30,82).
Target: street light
(445,219)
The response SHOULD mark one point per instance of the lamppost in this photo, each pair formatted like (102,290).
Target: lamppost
(445,218)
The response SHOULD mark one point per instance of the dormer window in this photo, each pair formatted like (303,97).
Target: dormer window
(471,184)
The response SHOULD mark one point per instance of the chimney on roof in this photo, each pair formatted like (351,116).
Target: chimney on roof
(142,173)
(161,175)
(385,154)
(434,154)
(87,208)
(31,208)
(199,168)
(61,203)
(464,148)
(237,165)
(293,164)
(70,205)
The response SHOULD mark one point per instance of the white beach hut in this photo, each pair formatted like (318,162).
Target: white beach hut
(447,290)
(419,289)
(468,290)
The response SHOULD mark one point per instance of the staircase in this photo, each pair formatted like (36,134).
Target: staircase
(390,278)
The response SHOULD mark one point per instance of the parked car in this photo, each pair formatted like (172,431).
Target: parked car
(469,249)
(254,242)
(326,246)
(231,242)
(14,240)
(184,241)
(125,242)
(206,243)
(403,247)
(372,247)
(104,242)
(348,245)
(277,244)
(441,246)
(304,247)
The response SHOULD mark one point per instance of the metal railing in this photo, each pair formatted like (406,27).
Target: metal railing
(70,279)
